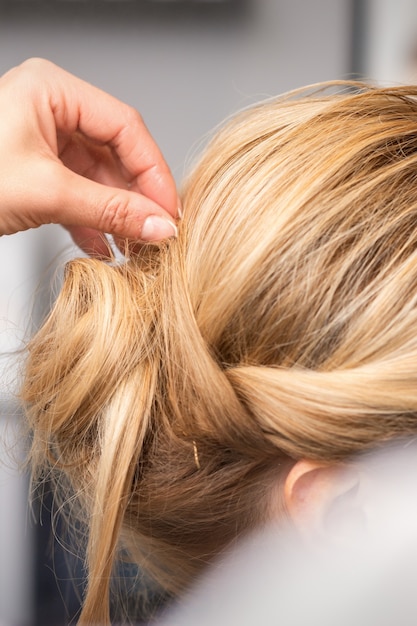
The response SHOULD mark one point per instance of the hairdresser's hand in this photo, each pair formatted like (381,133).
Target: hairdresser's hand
(73,155)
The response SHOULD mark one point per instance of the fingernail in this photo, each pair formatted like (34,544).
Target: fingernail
(156,228)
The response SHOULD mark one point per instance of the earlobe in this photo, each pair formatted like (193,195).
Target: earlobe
(322,500)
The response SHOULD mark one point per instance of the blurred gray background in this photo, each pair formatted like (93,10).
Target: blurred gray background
(186,66)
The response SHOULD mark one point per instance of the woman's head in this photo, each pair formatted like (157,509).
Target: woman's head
(178,392)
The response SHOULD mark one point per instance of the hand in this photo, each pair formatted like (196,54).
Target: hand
(74,155)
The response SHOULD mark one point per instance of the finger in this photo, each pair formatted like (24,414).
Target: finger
(93,161)
(74,199)
(77,105)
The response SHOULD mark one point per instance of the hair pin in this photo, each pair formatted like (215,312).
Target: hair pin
(196,458)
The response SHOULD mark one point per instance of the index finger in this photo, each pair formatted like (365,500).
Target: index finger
(77,104)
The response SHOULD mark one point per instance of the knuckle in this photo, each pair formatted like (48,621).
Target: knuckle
(35,67)
(29,75)
(133,117)
(35,63)
(115,215)
(133,124)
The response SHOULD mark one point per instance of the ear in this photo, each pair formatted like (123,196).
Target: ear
(323,500)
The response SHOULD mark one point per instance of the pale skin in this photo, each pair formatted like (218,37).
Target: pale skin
(73,155)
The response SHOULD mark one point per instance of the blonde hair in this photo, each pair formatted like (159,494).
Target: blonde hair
(172,391)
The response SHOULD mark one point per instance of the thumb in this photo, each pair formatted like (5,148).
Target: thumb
(81,202)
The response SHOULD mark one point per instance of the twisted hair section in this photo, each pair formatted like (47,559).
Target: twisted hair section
(281,324)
